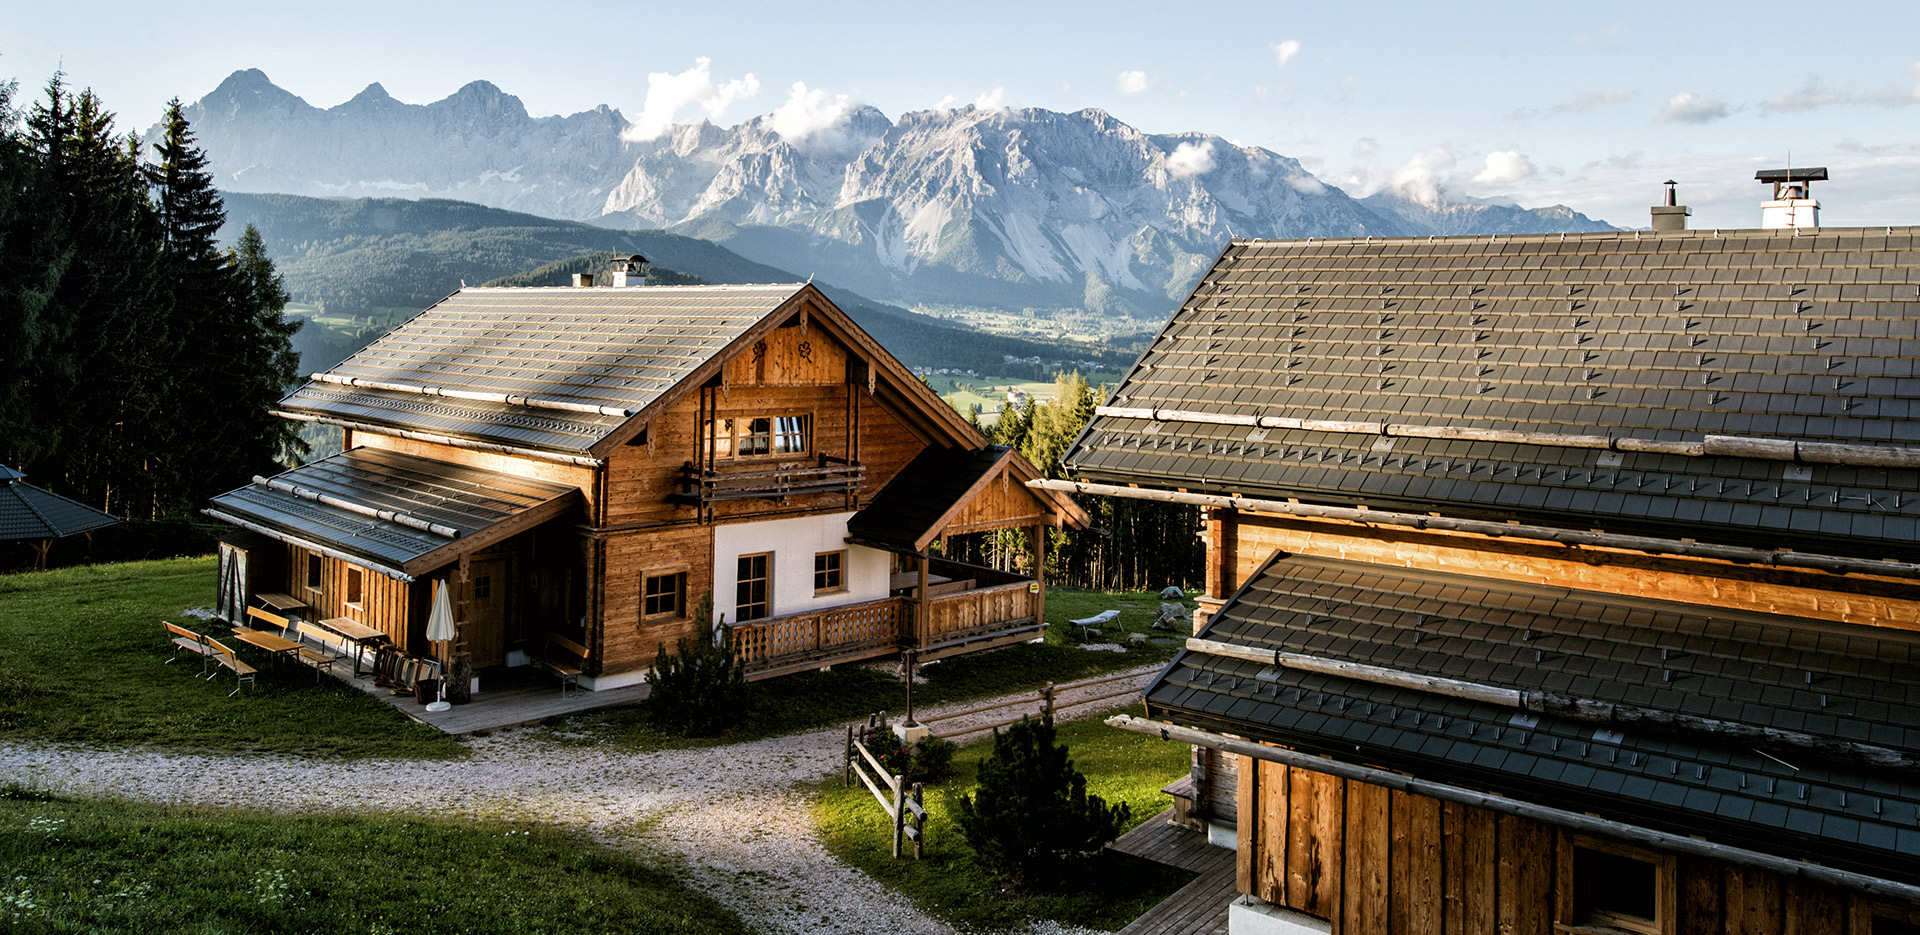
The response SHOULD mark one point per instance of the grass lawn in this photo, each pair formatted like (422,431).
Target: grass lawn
(83,659)
(103,866)
(1120,767)
(811,700)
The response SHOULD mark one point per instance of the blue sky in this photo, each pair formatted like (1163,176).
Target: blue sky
(1590,105)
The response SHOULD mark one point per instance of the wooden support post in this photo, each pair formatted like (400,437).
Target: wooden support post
(899,811)
(1037,534)
(1046,700)
(919,821)
(906,666)
(920,623)
(459,671)
(846,767)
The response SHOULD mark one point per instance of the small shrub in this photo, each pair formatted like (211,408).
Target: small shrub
(700,689)
(930,760)
(1031,820)
(933,760)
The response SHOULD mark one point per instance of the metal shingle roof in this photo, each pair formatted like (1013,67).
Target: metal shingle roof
(1762,671)
(591,356)
(1812,337)
(28,512)
(383,506)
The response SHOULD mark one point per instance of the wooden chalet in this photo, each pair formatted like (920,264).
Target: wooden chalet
(581,465)
(1556,584)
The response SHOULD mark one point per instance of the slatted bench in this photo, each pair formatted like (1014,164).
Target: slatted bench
(562,657)
(315,655)
(242,673)
(185,640)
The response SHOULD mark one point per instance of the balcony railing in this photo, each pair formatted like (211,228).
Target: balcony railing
(823,637)
(830,475)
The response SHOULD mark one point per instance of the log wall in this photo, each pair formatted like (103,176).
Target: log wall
(1247,539)
(386,604)
(1376,861)
(629,641)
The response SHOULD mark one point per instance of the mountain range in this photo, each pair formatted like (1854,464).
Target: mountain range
(1005,209)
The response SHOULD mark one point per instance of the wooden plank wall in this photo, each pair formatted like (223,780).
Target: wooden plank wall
(1251,538)
(553,472)
(627,641)
(386,603)
(1004,503)
(1375,861)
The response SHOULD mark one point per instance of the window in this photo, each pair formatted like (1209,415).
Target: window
(354,584)
(1607,886)
(313,572)
(482,587)
(752,588)
(762,436)
(829,572)
(664,595)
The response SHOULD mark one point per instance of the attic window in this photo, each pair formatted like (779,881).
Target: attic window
(763,436)
(1612,887)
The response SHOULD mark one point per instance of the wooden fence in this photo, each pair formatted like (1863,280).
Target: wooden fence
(907,806)
(994,607)
(1045,699)
(858,626)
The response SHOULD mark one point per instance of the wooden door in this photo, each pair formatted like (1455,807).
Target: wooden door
(486,626)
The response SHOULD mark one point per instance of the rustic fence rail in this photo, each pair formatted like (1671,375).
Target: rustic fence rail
(907,804)
(1045,698)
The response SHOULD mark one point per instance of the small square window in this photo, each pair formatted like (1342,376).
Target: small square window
(664,595)
(752,598)
(829,572)
(482,587)
(313,572)
(1615,887)
(355,584)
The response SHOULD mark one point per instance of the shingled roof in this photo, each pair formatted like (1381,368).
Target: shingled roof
(555,369)
(28,512)
(1757,387)
(1753,730)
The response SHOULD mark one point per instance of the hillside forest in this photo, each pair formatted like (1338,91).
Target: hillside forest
(139,360)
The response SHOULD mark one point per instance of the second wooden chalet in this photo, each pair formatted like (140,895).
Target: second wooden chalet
(582,465)
(1555,584)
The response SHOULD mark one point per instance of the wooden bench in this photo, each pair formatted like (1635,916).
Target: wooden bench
(316,655)
(185,640)
(269,618)
(562,657)
(242,673)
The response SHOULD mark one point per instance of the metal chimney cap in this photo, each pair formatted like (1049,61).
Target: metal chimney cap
(1807,174)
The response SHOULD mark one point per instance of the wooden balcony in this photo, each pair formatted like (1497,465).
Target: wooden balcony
(780,645)
(828,475)
(980,618)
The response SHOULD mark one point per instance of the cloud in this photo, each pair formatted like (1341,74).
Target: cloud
(1190,159)
(810,112)
(1419,179)
(669,94)
(1686,107)
(1505,168)
(1811,96)
(1283,52)
(990,100)
(1131,82)
(1585,102)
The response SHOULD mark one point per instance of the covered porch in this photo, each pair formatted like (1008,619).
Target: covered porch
(936,607)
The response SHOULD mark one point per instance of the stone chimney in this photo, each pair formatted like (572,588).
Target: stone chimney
(631,271)
(583,280)
(1671,216)
(1793,204)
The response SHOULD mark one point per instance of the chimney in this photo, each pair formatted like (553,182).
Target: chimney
(583,280)
(1671,216)
(631,271)
(1792,204)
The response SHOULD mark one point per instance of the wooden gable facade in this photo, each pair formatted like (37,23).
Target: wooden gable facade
(581,466)
(1555,584)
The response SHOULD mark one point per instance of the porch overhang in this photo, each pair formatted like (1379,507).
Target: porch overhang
(949,492)
(397,514)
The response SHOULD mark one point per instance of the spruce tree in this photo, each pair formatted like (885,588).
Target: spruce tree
(1031,820)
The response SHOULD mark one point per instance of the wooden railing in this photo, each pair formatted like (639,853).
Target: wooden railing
(856,627)
(831,475)
(997,607)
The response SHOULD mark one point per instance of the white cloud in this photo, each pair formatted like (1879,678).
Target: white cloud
(1283,52)
(990,100)
(1505,168)
(669,94)
(809,112)
(946,103)
(1687,107)
(1419,179)
(1584,102)
(1131,82)
(1190,159)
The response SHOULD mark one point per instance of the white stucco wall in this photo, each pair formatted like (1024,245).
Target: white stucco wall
(794,542)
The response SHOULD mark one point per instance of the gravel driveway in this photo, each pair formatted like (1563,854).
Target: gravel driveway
(746,832)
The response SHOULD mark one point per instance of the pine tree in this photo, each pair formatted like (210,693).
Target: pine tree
(1031,819)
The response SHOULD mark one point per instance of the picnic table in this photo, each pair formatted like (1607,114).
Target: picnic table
(281,602)
(279,646)
(364,637)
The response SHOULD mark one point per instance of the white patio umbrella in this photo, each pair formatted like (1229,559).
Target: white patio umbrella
(440,630)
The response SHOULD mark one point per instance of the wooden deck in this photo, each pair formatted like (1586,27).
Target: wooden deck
(1200,907)
(507,698)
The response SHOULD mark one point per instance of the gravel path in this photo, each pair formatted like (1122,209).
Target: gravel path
(745,831)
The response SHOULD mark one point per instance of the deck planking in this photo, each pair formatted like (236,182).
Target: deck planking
(507,698)
(1200,907)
